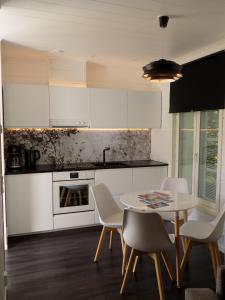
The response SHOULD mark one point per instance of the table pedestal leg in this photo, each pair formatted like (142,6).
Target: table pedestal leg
(185,241)
(177,244)
(185,216)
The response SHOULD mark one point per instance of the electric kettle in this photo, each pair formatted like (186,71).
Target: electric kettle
(31,156)
(14,157)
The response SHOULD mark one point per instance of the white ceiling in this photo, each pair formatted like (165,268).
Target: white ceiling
(114,31)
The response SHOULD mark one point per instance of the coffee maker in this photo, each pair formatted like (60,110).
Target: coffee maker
(31,156)
(14,159)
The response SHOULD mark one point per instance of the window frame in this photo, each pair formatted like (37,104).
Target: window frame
(211,206)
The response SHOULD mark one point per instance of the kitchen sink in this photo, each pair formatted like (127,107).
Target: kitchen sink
(109,164)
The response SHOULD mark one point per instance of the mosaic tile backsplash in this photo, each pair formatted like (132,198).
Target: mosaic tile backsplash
(66,146)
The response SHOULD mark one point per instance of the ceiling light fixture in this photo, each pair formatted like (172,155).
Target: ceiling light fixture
(162,70)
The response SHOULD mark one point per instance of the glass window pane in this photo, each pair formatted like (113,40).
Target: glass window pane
(186,141)
(208,150)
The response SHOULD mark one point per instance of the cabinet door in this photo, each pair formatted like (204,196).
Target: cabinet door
(148,178)
(144,109)
(108,108)
(117,180)
(26,105)
(77,219)
(69,103)
(29,203)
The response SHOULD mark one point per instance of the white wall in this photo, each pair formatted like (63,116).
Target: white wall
(24,65)
(2,203)
(161,139)
(118,77)
(67,71)
(30,66)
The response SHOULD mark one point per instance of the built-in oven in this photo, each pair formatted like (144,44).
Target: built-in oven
(71,192)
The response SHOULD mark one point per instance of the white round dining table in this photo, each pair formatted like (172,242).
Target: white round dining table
(176,203)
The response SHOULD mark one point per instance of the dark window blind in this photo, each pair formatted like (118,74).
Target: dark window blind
(202,86)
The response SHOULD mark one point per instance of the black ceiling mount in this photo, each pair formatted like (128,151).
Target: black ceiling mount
(163,21)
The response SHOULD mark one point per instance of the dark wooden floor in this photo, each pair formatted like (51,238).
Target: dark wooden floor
(59,266)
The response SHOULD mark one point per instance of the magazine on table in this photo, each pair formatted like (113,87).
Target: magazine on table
(156,199)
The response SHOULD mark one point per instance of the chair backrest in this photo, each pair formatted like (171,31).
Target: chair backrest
(178,185)
(218,224)
(104,200)
(145,232)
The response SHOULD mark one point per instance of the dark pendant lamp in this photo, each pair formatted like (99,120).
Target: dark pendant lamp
(162,70)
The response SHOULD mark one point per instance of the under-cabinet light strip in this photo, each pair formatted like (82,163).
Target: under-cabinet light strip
(78,129)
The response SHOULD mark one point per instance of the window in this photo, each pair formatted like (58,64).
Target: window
(198,149)
(186,140)
(208,153)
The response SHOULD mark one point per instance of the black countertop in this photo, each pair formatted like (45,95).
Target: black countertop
(83,166)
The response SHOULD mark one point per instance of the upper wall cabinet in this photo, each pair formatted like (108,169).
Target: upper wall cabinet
(26,105)
(144,110)
(108,108)
(69,106)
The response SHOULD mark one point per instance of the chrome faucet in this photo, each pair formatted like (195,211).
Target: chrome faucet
(104,150)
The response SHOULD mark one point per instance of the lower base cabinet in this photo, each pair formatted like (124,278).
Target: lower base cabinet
(131,179)
(148,178)
(117,180)
(29,203)
(74,220)
(29,198)
(121,181)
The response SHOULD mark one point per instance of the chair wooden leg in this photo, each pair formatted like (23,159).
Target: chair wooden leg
(120,231)
(183,240)
(125,258)
(168,265)
(135,263)
(110,239)
(213,257)
(130,265)
(186,256)
(155,257)
(100,243)
(217,254)
(184,244)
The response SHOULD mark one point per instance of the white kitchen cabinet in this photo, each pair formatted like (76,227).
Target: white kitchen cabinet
(69,104)
(143,109)
(26,105)
(77,219)
(131,179)
(118,180)
(108,108)
(148,178)
(29,203)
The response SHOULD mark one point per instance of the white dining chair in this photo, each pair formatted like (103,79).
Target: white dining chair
(178,185)
(208,233)
(110,215)
(145,233)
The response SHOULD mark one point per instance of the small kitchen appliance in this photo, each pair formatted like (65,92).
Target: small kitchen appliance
(14,160)
(31,156)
